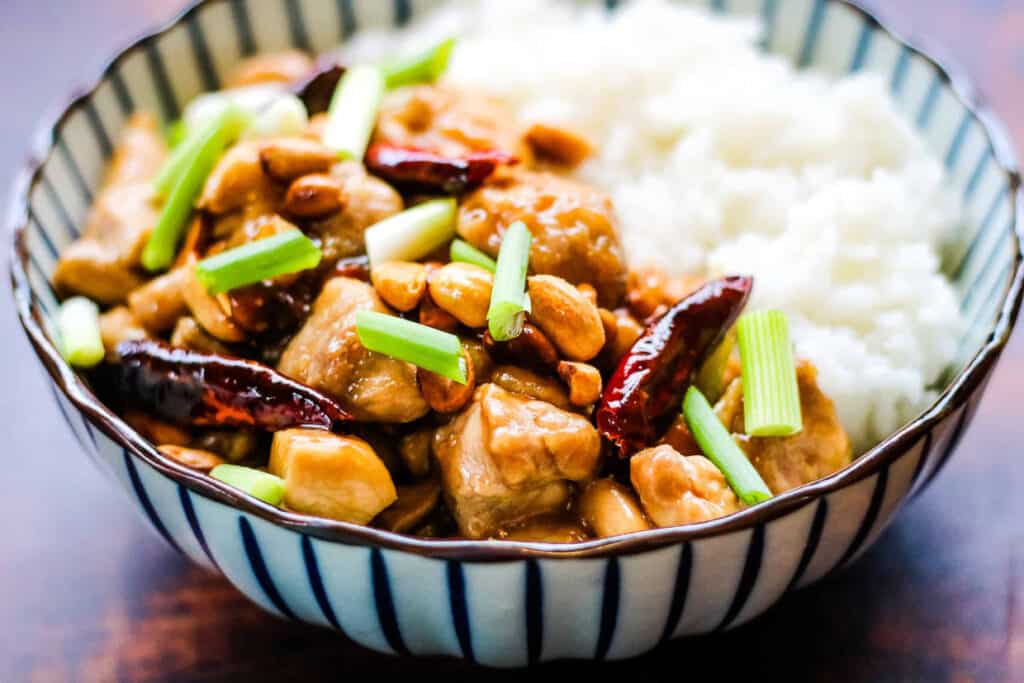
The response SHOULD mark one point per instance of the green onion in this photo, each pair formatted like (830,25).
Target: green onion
(720,448)
(411,234)
(163,241)
(771,399)
(353,111)
(286,252)
(429,348)
(506,314)
(175,133)
(465,252)
(229,121)
(78,323)
(710,378)
(256,483)
(425,67)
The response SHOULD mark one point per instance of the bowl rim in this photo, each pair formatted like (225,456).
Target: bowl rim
(956,394)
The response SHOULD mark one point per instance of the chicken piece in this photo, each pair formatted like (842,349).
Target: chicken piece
(103,264)
(448,121)
(507,458)
(274,67)
(784,463)
(328,475)
(531,385)
(159,303)
(118,325)
(368,200)
(326,354)
(573,227)
(680,489)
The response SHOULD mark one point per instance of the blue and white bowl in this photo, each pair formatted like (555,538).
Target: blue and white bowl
(505,603)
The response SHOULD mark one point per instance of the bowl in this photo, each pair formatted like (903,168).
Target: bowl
(514,603)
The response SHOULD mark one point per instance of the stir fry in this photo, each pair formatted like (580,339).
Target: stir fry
(364,295)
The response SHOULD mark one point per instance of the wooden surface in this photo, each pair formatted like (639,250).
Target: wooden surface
(88,593)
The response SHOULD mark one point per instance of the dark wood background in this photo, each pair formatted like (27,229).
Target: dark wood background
(88,593)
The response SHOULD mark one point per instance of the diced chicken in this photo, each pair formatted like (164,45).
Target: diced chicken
(327,355)
(573,227)
(118,325)
(274,67)
(368,200)
(821,449)
(327,475)
(448,121)
(103,264)
(680,489)
(507,458)
(159,303)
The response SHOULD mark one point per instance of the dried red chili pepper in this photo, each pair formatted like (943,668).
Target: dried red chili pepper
(317,87)
(422,168)
(652,376)
(195,388)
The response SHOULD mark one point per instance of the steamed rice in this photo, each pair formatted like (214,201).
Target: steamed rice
(721,159)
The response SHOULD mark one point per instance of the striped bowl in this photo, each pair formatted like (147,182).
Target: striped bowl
(504,603)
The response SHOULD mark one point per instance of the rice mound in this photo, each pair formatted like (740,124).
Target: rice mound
(721,159)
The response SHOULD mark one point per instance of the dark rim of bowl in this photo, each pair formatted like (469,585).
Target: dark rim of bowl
(955,395)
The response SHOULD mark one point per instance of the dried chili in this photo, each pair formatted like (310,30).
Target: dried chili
(425,169)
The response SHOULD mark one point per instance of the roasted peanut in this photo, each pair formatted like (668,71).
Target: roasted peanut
(233,445)
(160,302)
(276,67)
(289,158)
(483,364)
(464,290)
(650,290)
(558,144)
(193,458)
(565,315)
(155,430)
(531,346)
(209,312)
(550,528)
(400,283)
(584,382)
(315,128)
(189,335)
(118,325)
(313,195)
(528,383)
(414,503)
(626,331)
(446,395)
(414,449)
(588,291)
(608,508)
(236,177)
(328,475)
(434,316)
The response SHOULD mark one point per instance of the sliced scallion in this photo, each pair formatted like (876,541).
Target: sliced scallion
(720,448)
(425,67)
(466,253)
(191,174)
(175,133)
(352,113)
(411,234)
(423,346)
(78,323)
(506,314)
(771,398)
(229,121)
(256,483)
(286,252)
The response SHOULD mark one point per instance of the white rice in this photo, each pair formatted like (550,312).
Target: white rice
(724,160)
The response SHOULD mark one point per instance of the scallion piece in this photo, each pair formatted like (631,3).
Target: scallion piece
(506,314)
(228,124)
(411,234)
(423,346)
(256,483)
(352,113)
(466,253)
(175,133)
(163,241)
(78,323)
(710,377)
(771,399)
(425,67)
(718,445)
(286,252)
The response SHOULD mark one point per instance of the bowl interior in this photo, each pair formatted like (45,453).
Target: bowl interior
(160,73)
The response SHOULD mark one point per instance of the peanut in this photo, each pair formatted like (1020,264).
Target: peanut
(464,290)
(315,194)
(400,283)
(565,315)
(289,158)
(584,382)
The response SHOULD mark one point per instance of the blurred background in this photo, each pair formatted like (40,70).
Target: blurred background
(89,593)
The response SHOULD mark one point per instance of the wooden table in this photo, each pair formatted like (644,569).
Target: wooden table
(88,593)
